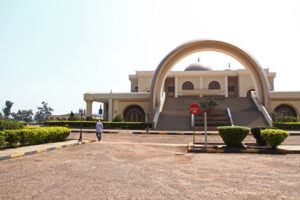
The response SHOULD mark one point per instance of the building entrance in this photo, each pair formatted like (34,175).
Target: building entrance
(232,86)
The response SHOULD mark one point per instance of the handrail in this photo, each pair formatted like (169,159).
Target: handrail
(230,116)
(262,109)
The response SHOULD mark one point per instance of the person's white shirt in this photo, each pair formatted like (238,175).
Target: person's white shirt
(99,127)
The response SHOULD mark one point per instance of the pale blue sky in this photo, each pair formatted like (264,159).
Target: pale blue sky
(55,51)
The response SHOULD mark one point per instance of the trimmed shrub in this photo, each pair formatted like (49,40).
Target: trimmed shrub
(33,136)
(10,125)
(257,135)
(287,125)
(233,135)
(107,125)
(12,138)
(118,118)
(274,137)
(2,140)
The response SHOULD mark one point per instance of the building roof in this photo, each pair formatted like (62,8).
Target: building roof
(197,67)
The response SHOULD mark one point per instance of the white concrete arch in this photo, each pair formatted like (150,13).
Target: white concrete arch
(257,73)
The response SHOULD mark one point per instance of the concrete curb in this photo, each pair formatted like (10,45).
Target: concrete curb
(257,151)
(17,155)
(172,133)
(86,131)
(185,133)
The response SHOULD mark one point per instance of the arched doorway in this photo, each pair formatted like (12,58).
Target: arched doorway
(258,75)
(214,85)
(187,85)
(286,110)
(134,113)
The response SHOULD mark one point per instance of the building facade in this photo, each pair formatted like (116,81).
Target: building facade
(149,89)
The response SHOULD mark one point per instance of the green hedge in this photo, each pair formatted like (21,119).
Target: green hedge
(106,125)
(274,137)
(257,135)
(33,136)
(233,135)
(287,125)
(2,141)
(10,125)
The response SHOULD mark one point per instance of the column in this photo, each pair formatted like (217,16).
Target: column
(110,110)
(89,107)
(226,86)
(175,87)
(201,85)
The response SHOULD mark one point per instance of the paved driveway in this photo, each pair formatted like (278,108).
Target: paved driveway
(126,166)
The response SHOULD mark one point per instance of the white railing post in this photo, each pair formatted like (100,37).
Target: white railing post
(230,116)
(262,109)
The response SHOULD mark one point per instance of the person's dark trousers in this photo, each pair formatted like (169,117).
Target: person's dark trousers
(98,135)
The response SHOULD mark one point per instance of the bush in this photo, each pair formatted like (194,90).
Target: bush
(281,118)
(118,118)
(12,138)
(2,140)
(10,125)
(107,125)
(257,135)
(33,136)
(287,125)
(233,135)
(274,137)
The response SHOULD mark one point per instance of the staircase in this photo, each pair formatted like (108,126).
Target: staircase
(175,114)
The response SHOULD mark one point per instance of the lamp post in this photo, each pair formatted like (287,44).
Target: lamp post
(80,137)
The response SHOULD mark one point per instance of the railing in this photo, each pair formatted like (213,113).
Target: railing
(262,109)
(230,116)
(159,109)
(200,92)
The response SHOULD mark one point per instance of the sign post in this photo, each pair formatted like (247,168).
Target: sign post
(194,110)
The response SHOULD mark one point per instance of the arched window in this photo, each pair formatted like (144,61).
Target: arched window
(187,85)
(214,85)
(134,113)
(286,110)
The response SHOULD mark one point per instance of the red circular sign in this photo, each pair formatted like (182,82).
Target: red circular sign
(194,109)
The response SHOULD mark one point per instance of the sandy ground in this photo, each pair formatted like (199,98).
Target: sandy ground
(122,166)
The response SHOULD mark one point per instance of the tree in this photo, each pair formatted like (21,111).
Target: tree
(208,104)
(23,115)
(43,112)
(7,109)
(73,117)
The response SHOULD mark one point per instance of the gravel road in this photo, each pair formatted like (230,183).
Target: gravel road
(122,166)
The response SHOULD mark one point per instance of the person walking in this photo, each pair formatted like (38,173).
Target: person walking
(99,130)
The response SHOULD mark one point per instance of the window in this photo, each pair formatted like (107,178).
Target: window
(187,85)
(214,85)
(286,110)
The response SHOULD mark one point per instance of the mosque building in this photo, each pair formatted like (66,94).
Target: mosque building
(235,89)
